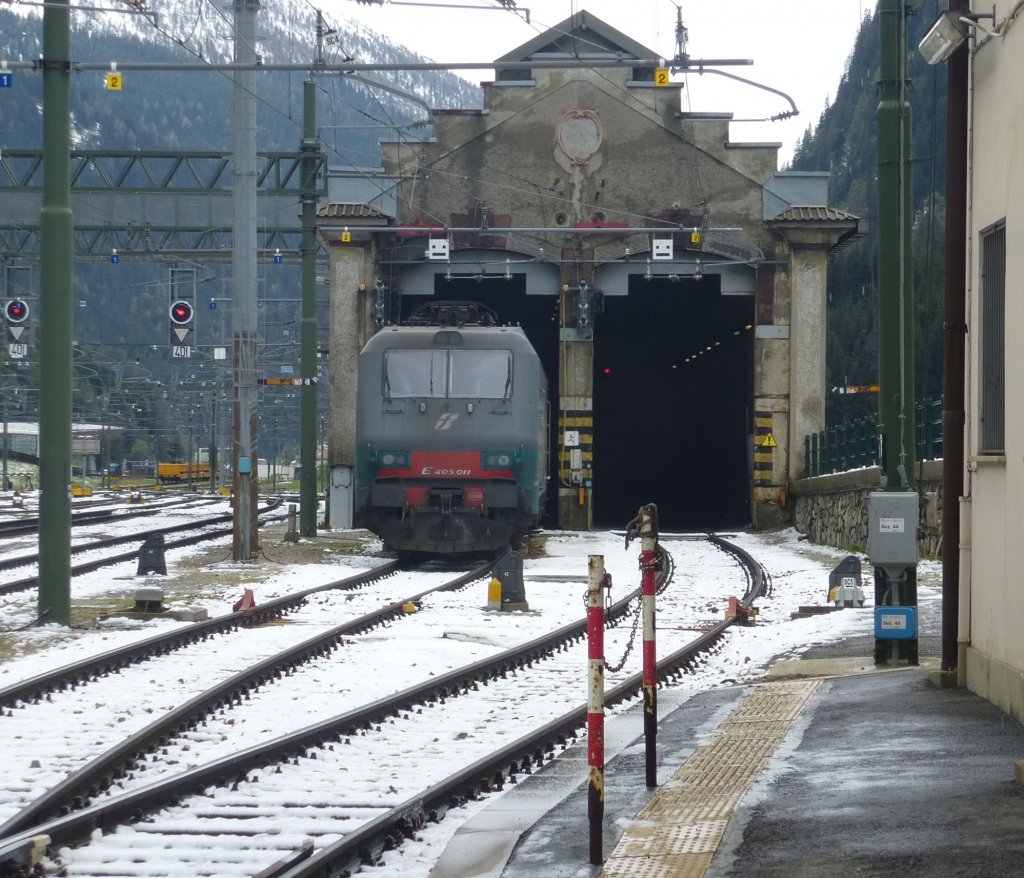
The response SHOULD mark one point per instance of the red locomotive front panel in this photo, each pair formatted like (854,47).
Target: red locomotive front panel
(447,465)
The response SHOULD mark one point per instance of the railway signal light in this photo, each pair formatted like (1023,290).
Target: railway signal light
(181,313)
(16,311)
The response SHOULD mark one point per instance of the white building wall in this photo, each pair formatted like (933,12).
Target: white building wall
(993,626)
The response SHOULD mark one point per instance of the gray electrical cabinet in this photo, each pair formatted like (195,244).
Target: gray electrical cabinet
(892,528)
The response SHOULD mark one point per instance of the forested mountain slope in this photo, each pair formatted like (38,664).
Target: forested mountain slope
(844,142)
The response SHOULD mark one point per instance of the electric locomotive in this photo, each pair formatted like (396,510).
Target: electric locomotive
(451,433)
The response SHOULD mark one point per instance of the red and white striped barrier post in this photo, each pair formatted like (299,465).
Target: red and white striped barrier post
(595,706)
(648,567)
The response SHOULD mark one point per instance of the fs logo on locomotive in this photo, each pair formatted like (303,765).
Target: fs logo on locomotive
(446,420)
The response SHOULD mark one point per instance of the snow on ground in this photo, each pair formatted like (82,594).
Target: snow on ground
(799,572)
(555,585)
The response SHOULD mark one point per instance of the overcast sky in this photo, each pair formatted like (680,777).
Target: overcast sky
(798,47)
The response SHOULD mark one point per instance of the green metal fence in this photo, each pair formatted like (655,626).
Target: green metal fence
(854,444)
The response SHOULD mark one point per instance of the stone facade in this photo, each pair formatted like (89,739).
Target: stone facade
(566,174)
(833,510)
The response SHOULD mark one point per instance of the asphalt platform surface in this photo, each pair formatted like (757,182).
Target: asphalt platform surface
(882,773)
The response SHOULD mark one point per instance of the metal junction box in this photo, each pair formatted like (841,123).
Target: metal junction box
(892,528)
(895,623)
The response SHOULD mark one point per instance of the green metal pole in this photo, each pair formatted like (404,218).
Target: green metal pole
(55,321)
(308,396)
(3,479)
(894,586)
(895,267)
(214,462)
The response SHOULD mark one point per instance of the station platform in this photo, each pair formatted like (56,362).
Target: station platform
(828,766)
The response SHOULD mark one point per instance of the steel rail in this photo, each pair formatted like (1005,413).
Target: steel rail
(89,516)
(76,826)
(83,671)
(365,845)
(97,775)
(89,566)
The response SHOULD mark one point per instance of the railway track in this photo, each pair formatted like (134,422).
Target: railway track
(249,781)
(227,690)
(105,511)
(209,528)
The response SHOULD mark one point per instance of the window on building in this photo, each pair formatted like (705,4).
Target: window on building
(993,340)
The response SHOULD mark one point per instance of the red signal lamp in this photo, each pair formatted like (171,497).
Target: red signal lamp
(181,313)
(16,311)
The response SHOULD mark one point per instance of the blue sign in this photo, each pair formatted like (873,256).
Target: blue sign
(6,80)
(213,306)
(895,623)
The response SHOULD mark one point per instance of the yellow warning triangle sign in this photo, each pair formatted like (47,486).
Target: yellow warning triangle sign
(769,442)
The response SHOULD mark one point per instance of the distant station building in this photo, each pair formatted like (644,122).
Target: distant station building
(21,438)
(20,444)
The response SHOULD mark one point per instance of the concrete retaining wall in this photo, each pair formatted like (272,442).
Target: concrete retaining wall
(833,510)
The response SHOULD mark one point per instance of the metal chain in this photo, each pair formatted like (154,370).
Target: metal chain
(629,644)
(668,563)
(661,560)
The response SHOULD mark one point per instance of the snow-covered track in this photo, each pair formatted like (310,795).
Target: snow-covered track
(209,529)
(254,783)
(105,511)
(365,845)
(96,776)
(93,667)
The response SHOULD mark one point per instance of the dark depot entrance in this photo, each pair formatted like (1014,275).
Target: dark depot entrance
(672,405)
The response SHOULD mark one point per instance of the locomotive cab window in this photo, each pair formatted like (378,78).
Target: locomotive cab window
(462,374)
(480,374)
(414,374)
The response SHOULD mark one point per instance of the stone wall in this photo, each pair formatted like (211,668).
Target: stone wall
(833,510)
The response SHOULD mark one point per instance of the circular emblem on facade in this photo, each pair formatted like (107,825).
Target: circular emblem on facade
(580,134)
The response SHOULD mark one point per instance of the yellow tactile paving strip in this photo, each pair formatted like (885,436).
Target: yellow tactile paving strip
(679,830)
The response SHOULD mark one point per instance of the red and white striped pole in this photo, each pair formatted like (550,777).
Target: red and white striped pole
(595,706)
(649,567)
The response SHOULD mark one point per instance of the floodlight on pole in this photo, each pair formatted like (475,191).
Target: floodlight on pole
(949,31)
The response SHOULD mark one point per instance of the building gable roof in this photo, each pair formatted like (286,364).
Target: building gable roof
(582,35)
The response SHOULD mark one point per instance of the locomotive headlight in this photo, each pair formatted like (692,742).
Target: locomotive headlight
(394,459)
(497,460)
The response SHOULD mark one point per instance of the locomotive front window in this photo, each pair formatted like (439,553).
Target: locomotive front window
(480,374)
(414,374)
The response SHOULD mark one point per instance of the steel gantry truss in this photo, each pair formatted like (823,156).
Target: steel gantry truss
(154,204)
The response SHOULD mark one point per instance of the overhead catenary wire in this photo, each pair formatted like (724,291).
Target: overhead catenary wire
(203,63)
(348,65)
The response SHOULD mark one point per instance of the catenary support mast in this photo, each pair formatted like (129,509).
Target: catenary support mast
(308,393)
(55,355)
(245,457)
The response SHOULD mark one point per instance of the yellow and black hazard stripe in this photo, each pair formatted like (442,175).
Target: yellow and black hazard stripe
(582,421)
(764,446)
